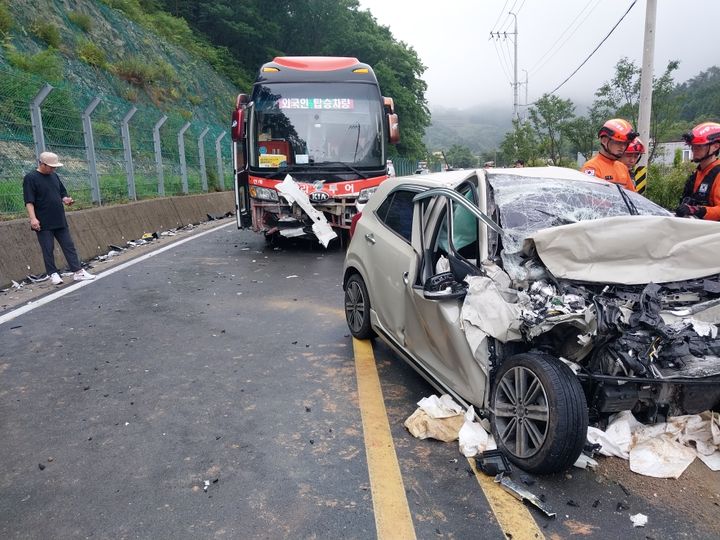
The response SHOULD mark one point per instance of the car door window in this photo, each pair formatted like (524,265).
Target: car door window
(397,213)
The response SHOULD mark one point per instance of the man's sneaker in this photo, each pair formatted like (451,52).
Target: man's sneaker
(56,279)
(83,275)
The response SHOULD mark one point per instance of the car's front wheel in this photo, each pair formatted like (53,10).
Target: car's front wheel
(357,308)
(540,415)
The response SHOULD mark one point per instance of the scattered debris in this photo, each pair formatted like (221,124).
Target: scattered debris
(523,494)
(423,426)
(639,520)
(206,485)
(41,466)
(38,279)
(493,462)
(473,437)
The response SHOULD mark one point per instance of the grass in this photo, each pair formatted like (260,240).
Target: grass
(44,63)
(91,54)
(6,19)
(81,20)
(47,32)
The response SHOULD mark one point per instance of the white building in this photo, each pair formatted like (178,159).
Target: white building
(665,152)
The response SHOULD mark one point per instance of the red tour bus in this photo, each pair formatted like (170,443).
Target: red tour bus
(309,146)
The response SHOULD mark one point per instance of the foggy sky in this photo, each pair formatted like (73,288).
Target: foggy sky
(464,68)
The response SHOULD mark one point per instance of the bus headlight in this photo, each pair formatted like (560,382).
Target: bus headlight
(364,195)
(265,194)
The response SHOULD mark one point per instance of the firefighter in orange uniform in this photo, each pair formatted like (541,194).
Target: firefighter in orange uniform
(615,135)
(701,196)
(632,155)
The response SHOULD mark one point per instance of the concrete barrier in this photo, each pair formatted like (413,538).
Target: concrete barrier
(95,229)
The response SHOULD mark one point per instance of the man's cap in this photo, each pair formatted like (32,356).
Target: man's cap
(50,159)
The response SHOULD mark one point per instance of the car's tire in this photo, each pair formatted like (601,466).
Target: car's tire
(357,308)
(549,436)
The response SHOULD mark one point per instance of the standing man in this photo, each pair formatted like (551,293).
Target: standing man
(45,195)
(615,135)
(701,196)
(632,155)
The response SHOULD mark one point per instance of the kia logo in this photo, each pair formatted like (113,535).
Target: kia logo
(319,196)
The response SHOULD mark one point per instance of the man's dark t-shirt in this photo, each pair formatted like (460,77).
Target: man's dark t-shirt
(46,192)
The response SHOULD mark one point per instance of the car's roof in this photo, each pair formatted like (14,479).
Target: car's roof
(454,178)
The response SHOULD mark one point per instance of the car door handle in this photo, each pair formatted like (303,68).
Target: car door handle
(370,238)
(405,278)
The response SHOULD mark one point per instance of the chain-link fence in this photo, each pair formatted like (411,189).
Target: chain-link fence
(112,150)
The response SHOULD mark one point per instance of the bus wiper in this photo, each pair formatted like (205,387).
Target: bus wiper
(343,164)
(628,201)
(557,219)
(285,170)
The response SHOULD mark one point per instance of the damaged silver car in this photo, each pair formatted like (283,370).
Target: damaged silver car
(546,298)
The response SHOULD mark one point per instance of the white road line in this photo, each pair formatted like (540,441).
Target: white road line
(67,290)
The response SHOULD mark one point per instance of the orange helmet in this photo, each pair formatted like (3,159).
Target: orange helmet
(635,147)
(618,130)
(705,133)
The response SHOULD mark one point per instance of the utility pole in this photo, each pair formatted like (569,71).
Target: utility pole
(515,84)
(526,94)
(516,113)
(646,77)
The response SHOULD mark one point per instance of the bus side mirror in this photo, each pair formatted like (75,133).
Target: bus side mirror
(389,105)
(237,128)
(393,128)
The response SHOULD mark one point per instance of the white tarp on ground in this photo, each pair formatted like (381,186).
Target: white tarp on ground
(662,450)
(631,249)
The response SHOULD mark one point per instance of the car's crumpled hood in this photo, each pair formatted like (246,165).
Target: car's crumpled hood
(629,250)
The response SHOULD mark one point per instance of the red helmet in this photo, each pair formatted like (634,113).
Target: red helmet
(635,147)
(705,133)
(618,130)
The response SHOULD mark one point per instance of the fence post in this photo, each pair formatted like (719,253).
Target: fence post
(125,130)
(218,154)
(36,119)
(158,155)
(90,150)
(201,153)
(181,152)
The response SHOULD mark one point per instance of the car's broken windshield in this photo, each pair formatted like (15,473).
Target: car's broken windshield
(529,204)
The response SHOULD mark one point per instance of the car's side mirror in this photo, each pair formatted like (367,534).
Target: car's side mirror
(443,286)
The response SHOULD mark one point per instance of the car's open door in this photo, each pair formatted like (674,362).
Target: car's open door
(453,242)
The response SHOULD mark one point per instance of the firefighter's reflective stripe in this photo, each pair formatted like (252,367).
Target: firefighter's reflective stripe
(640,179)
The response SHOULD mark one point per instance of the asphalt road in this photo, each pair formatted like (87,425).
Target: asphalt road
(210,391)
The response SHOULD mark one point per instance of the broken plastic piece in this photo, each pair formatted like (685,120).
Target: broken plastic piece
(293,194)
(493,462)
(522,494)
(639,520)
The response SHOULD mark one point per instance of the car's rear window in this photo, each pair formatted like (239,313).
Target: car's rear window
(397,212)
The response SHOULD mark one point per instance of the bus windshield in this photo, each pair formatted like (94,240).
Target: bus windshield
(316,125)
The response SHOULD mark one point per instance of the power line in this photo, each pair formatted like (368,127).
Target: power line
(499,16)
(593,51)
(540,62)
(507,21)
(502,61)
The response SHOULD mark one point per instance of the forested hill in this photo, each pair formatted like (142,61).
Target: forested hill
(255,31)
(191,57)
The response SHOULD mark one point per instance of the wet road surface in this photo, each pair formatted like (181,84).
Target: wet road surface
(212,391)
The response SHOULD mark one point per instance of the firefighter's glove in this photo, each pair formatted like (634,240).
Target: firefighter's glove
(686,210)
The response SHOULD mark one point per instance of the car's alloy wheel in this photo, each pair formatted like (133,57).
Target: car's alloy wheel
(539,413)
(357,308)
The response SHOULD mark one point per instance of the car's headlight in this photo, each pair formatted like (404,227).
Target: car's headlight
(365,194)
(266,194)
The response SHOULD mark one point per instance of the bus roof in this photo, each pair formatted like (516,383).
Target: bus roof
(316,69)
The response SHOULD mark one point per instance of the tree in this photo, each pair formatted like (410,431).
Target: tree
(520,143)
(550,116)
(255,31)
(460,157)
(620,97)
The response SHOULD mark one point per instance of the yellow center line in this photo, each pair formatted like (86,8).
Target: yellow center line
(392,513)
(512,515)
